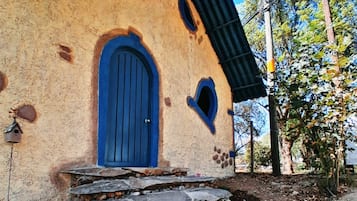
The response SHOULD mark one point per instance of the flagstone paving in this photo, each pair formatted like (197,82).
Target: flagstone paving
(142,184)
(135,184)
(207,194)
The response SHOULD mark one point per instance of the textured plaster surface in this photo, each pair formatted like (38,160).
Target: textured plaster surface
(47,54)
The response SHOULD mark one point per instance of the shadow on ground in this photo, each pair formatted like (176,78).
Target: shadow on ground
(239,195)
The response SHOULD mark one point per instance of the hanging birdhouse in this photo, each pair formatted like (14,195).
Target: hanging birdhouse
(13,132)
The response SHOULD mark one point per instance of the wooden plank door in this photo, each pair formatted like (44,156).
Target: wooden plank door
(129,115)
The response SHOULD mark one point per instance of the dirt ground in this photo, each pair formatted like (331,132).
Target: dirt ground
(265,187)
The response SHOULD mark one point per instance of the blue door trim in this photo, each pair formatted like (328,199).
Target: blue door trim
(133,42)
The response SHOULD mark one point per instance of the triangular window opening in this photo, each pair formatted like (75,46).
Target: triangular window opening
(205,102)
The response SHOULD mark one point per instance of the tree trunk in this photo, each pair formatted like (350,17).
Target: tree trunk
(334,58)
(286,156)
(330,34)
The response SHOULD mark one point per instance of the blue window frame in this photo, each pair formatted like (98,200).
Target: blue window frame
(205,102)
(186,15)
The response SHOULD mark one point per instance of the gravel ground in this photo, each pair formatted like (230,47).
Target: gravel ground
(350,196)
(265,187)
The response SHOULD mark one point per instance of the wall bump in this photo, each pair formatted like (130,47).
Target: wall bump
(3,81)
(222,159)
(25,111)
(65,53)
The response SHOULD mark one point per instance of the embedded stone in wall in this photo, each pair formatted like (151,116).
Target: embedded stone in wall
(168,101)
(65,53)
(215,157)
(27,112)
(2,81)
(200,39)
(222,159)
(65,48)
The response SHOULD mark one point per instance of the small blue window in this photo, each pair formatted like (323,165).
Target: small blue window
(186,15)
(205,102)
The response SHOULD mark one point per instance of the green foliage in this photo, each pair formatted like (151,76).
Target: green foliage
(244,113)
(262,154)
(314,100)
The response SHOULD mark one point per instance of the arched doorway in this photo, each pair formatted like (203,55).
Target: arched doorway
(128,104)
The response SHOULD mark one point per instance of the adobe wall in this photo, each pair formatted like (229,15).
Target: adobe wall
(48,60)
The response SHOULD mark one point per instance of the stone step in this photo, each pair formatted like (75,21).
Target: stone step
(134,184)
(195,194)
(125,172)
(99,172)
(86,175)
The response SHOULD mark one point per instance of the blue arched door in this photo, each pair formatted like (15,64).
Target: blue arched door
(128,105)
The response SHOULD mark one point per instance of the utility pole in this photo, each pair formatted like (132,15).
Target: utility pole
(251,147)
(274,132)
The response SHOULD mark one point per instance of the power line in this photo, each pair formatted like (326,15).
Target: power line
(262,8)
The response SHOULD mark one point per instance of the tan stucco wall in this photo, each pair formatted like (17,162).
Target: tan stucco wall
(61,91)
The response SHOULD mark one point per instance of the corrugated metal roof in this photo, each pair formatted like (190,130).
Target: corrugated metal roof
(228,39)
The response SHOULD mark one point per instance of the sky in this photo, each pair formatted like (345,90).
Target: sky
(239,7)
(238,1)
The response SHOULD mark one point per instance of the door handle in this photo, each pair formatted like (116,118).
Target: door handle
(147,121)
